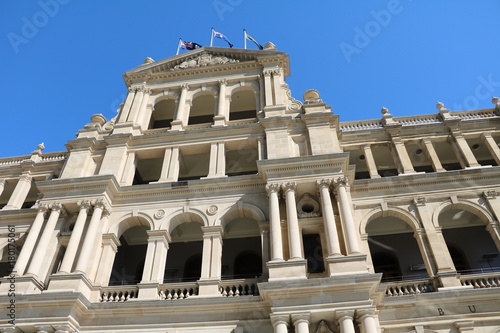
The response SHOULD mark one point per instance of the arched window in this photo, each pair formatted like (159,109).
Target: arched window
(242,251)
(129,260)
(202,110)
(394,249)
(163,114)
(470,245)
(184,253)
(243,105)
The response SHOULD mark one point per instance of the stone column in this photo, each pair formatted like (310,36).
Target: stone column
(126,106)
(134,109)
(41,250)
(268,89)
(344,202)
(432,155)
(2,185)
(222,114)
(29,243)
(491,144)
(90,238)
(402,155)
(292,219)
(367,321)
(328,218)
(76,235)
(181,116)
(275,222)
(346,321)
(301,322)
(142,108)
(280,323)
(110,244)
(464,149)
(217,167)
(264,240)
(170,166)
(20,192)
(278,95)
(493,227)
(370,161)
(212,253)
(426,254)
(129,169)
(261,147)
(156,256)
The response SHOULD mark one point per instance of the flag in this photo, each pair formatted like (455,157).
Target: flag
(250,38)
(221,36)
(189,45)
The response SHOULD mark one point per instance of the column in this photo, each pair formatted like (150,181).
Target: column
(347,219)
(292,219)
(76,235)
(170,166)
(264,240)
(2,185)
(41,250)
(110,244)
(126,106)
(367,321)
(490,143)
(268,89)
(280,323)
(402,155)
(278,95)
(261,147)
(432,155)
(90,237)
(129,169)
(465,150)
(275,222)
(212,253)
(493,227)
(301,322)
(346,321)
(222,110)
(29,243)
(142,108)
(328,218)
(370,161)
(20,192)
(426,255)
(134,109)
(217,166)
(181,116)
(156,256)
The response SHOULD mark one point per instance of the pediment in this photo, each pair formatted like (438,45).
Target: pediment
(207,58)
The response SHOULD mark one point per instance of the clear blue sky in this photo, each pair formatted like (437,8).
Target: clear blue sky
(63,60)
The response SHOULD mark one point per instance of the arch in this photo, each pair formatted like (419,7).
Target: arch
(203,106)
(244,103)
(128,220)
(180,216)
(396,212)
(473,208)
(164,111)
(242,210)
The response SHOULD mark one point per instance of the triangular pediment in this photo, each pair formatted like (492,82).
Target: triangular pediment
(207,58)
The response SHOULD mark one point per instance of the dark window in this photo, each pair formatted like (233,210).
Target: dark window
(313,253)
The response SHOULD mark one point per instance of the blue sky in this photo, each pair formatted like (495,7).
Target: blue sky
(63,60)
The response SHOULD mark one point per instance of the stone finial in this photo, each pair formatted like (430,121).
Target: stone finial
(384,111)
(98,118)
(496,101)
(148,60)
(269,46)
(40,146)
(312,96)
(387,117)
(439,105)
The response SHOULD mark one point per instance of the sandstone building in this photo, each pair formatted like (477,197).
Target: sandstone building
(215,202)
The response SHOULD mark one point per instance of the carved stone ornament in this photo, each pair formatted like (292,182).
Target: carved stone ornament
(159,214)
(323,328)
(308,207)
(204,59)
(293,104)
(311,96)
(212,210)
(490,194)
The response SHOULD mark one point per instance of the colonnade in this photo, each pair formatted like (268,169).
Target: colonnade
(346,320)
(324,186)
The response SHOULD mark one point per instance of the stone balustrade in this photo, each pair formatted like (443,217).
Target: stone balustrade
(177,290)
(409,287)
(119,293)
(491,280)
(241,287)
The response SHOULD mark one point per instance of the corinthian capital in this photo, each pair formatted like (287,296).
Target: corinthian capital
(340,181)
(273,187)
(289,186)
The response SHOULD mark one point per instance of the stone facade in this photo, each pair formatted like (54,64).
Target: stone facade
(216,202)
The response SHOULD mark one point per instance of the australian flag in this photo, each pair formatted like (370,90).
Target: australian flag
(189,45)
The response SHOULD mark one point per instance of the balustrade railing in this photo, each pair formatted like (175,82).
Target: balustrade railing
(177,290)
(240,287)
(119,293)
(485,280)
(409,287)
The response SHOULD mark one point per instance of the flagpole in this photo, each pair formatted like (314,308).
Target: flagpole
(245,38)
(212,37)
(179,46)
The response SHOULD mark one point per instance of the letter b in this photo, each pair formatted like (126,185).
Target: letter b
(383,17)
(51,7)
